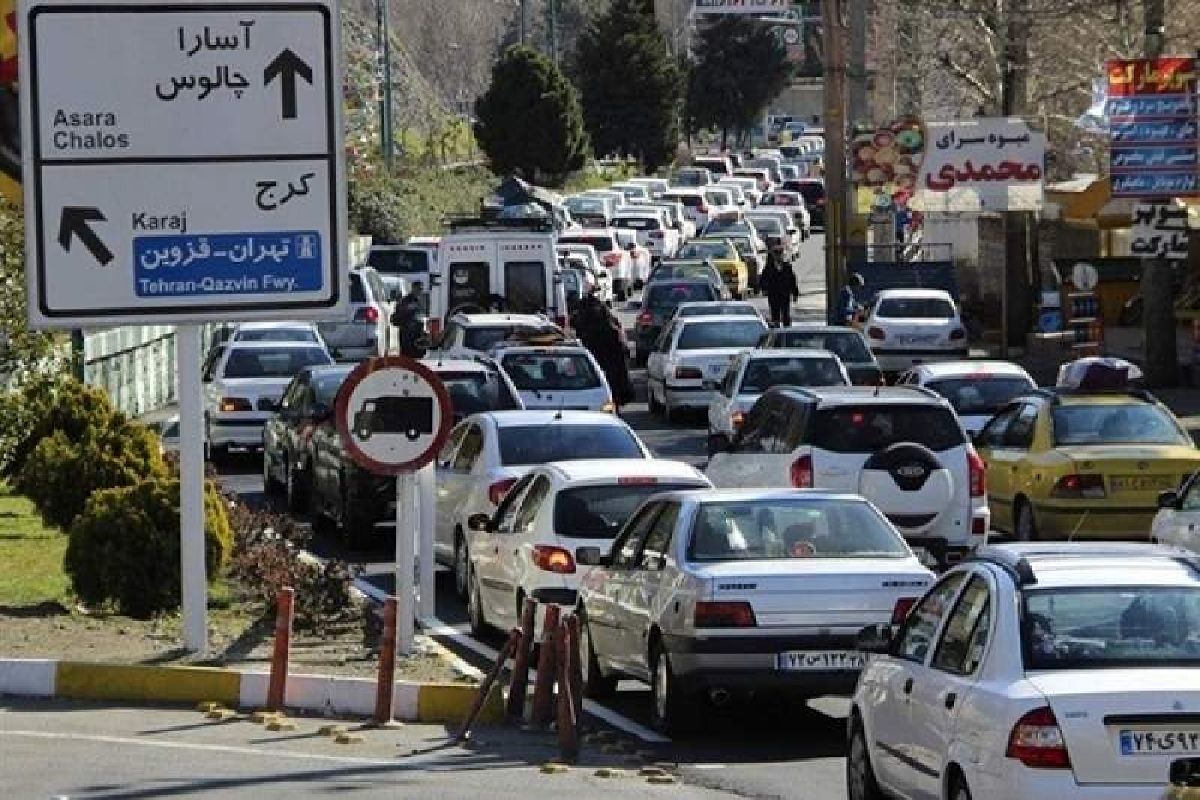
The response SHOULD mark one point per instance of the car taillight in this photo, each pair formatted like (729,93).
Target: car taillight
(1090,486)
(435,326)
(802,472)
(724,615)
(611,259)
(560,321)
(957,333)
(553,559)
(235,404)
(901,609)
(875,332)
(977,474)
(645,318)
(656,234)
(1037,741)
(978,526)
(688,373)
(367,314)
(737,418)
(498,489)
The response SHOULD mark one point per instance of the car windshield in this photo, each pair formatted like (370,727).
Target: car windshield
(484,337)
(636,223)
(521,445)
(603,244)
(720,225)
(720,249)
(868,428)
(475,392)
(697,270)
(771,529)
(536,372)
(763,373)
(585,205)
(768,225)
(399,262)
(1111,626)
(666,296)
(276,335)
(980,394)
(268,363)
(846,345)
(1115,424)
(915,308)
(720,197)
(726,333)
(327,382)
(718,309)
(598,512)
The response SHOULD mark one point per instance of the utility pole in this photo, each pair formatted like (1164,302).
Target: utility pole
(860,113)
(383,26)
(1161,365)
(552,7)
(522,12)
(834,114)
(1016,292)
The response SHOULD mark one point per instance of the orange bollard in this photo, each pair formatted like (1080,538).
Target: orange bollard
(575,668)
(277,687)
(518,686)
(568,740)
(543,688)
(387,665)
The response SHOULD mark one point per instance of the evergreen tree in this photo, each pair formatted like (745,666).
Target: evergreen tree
(529,121)
(631,87)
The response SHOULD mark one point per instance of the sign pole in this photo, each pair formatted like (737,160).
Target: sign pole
(425,503)
(193,582)
(406,521)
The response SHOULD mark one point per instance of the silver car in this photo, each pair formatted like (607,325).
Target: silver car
(708,593)
(367,330)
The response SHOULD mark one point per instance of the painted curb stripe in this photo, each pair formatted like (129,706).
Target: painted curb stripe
(142,683)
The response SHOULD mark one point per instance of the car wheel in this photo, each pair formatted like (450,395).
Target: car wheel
(669,711)
(1025,524)
(297,492)
(479,625)
(462,565)
(860,775)
(596,684)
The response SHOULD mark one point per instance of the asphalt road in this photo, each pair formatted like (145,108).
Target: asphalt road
(762,750)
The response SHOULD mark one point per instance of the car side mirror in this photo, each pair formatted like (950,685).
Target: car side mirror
(591,557)
(480,523)
(875,639)
(1168,499)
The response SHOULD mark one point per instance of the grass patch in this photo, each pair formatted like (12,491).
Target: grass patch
(31,555)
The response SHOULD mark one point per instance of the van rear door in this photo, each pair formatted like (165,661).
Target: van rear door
(525,275)
(466,279)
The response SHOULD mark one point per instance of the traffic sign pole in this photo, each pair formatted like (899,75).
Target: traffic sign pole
(194,583)
(426,500)
(406,519)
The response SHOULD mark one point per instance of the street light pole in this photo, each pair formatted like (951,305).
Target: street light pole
(834,113)
(385,106)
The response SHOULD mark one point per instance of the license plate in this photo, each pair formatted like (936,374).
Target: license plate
(923,339)
(716,370)
(820,660)
(1159,742)
(1141,483)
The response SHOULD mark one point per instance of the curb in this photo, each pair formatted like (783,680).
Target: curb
(324,694)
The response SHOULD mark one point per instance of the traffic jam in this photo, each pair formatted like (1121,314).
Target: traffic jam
(1001,580)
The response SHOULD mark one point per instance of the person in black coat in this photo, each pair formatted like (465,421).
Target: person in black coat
(600,332)
(778,283)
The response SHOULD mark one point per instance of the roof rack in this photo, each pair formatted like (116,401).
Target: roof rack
(1055,394)
(469,222)
(1014,564)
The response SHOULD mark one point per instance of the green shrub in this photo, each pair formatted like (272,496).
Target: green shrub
(43,405)
(124,547)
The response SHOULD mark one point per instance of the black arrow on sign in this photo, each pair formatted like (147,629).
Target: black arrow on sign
(287,65)
(74,222)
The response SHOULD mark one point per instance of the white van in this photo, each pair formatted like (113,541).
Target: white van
(479,261)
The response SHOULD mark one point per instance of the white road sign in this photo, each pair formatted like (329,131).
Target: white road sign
(1160,230)
(183,163)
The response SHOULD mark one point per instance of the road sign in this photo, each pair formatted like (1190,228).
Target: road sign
(183,163)
(393,415)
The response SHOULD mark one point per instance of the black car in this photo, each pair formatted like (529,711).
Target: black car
(847,344)
(306,403)
(813,190)
(356,501)
(659,301)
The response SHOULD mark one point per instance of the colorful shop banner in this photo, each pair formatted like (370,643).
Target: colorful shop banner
(982,164)
(1154,131)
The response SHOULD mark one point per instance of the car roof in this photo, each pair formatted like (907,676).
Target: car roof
(506,419)
(275,325)
(286,345)
(974,369)
(549,349)
(501,319)
(869,395)
(459,365)
(617,468)
(681,190)
(586,232)
(1062,564)
(789,352)
(938,293)
(727,495)
(816,327)
(720,318)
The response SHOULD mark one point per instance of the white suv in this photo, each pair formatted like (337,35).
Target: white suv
(902,448)
(470,335)
(906,327)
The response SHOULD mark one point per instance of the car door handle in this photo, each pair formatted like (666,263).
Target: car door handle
(949,700)
(908,686)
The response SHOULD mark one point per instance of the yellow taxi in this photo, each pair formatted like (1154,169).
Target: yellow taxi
(1067,464)
(724,256)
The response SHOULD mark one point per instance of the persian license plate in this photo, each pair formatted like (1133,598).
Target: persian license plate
(1159,742)
(820,660)
(1141,483)
(716,370)
(925,338)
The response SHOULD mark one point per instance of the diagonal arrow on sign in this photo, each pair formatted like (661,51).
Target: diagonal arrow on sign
(287,65)
(74,222)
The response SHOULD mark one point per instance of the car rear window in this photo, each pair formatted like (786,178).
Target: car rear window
(915,308)
(1111,627)
(276,335)
(602,243)
(669,295)
(727,333)
(399,262)
(585,205)
(1126,423)
(706,250)
(763,373)
(268,363)
(637,223)
(536,372)
(784,529)
(980,394)
(525,286)
(719,309)
(358,294)
(521,445)
(485,337)
(327,383)
(849,347)
(867,428)
(598,512)
(475,392)
(768,225)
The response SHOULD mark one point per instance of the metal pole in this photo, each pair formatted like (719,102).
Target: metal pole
(193,580)
(553,4)
(426,506)
(388,139)
(406,521)
(835,152)
(521,3)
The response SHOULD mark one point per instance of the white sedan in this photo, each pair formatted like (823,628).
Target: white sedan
(1178,519)
(691,357)
(1040,671)
(556,377)
(906,327)
(527,548)
(976,389)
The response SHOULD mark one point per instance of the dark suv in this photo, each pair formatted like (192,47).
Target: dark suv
(659,302)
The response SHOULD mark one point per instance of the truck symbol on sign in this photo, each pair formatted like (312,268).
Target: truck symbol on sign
(411,416)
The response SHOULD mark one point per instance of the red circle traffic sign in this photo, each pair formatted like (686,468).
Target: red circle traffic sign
(393,415)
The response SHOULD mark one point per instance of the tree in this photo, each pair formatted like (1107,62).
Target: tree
(529,120)
(630,85)
(740,67)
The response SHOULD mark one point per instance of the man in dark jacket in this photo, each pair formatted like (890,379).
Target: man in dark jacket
(778,283)
(600,332)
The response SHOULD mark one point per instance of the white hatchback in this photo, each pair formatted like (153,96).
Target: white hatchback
(527,548)
(906,327)
(976,389)
(1039,671)
(557,377)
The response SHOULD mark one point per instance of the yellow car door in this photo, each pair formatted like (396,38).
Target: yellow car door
(1004,447)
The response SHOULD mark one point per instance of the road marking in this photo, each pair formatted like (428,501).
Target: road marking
(212,748)
(436,627)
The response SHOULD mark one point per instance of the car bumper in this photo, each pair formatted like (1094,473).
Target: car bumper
(749,662)
(1093,521)
(1021,781)
(243,431)
(688,397)
(355,352)
(900,360)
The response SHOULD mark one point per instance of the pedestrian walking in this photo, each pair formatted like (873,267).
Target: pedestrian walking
(848,306)
(600,332)
(778,283)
